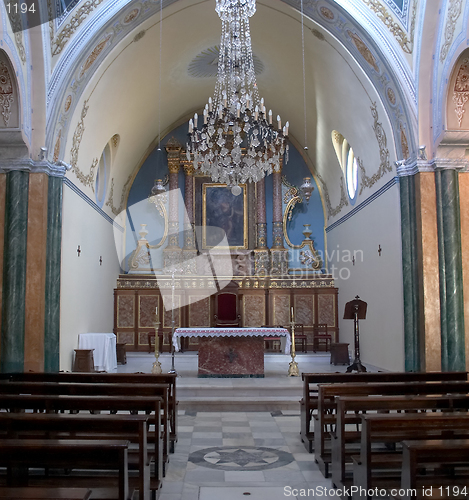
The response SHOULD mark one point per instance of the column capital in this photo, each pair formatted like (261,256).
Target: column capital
(28,165)
(188,168)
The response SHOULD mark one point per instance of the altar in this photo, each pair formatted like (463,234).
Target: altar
(232,352)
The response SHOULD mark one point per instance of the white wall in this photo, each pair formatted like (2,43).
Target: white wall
(86,286)
(376,279)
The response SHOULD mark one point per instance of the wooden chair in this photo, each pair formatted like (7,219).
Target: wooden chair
(300,336)
(321,335)
(272,343)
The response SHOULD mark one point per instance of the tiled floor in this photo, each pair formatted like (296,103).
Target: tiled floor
(237,454)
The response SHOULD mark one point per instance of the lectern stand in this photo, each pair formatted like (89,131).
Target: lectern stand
(356,309)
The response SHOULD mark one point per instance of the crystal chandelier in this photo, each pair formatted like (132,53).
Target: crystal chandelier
(237,141)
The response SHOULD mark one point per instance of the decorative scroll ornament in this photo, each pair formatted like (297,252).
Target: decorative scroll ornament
(461,89)
(69,29)
(454,11)
(110,201)
(236,119)
(86,180)
(404,40)
(332,212)
(291,198)
(6,93)
(385,165)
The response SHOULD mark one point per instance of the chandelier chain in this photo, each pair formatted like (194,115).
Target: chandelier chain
(237,141)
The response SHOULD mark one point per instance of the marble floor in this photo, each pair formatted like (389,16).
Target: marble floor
(231,455)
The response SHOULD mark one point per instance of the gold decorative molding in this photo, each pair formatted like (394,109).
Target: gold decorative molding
(201,282)
(332,212)
(384,165)
(454,11)
(310,256)
(86,180)
(364,50)
(59,42)
(17,28)
(406,41)
(110,201)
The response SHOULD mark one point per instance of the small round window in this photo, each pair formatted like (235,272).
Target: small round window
(102,175)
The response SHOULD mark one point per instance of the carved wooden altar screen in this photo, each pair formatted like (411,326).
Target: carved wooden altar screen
(262,301)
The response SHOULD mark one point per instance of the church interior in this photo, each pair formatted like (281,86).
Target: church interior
(116,219)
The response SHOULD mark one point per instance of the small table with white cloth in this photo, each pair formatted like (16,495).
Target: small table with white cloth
(104,354)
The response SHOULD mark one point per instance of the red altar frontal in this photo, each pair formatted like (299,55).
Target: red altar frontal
(232,352)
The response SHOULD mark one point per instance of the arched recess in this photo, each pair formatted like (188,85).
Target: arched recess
(457,109)
(9,97)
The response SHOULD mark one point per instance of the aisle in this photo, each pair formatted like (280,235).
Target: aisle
(235,455)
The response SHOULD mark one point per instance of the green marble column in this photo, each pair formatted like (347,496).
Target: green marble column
(52,289)
(410,274)
(14,271)
(450,270)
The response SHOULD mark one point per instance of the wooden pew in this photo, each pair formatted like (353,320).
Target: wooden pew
(33,493)
(86,426)
(131,378)
(309,402)
(98,389)
(327,393)
(68,453)
(345,443)
(59,403)
(417,456)
(381,468)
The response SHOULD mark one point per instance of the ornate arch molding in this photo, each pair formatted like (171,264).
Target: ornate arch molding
(385,73)
(82,55)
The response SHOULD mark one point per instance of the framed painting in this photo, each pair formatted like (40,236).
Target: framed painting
(223,213)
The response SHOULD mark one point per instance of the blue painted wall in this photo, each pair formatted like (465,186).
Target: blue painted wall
(139,210)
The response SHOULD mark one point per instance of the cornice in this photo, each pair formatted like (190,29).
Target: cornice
(29,165)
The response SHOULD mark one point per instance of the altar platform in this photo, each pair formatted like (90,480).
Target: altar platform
(275,392)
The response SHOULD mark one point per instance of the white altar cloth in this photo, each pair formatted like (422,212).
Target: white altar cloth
(283,333)
(104,354)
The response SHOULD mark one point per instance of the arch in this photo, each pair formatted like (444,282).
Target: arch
(9,96)
(457,109)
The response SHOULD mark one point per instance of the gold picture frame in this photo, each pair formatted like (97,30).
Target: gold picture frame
(226,212)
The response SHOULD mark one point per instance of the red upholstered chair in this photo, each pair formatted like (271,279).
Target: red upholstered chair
(226,307)
(300,337)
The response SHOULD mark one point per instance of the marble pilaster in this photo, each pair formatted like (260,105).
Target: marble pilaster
(2,227)
(410,274)
(35,273)
(14,271)
(427,237)
(464,201)
(450,265)
(52,279)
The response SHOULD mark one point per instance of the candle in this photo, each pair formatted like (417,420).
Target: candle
(291,312)
(156,310)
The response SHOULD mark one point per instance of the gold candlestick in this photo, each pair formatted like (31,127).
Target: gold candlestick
(293,367)
(156,368)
